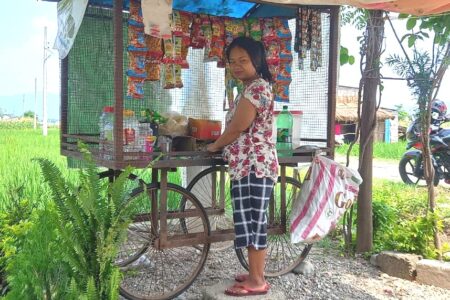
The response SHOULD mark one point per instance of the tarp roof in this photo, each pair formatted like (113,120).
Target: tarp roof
(229,8)
(236,8)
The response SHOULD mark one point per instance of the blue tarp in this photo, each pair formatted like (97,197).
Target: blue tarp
(229,8)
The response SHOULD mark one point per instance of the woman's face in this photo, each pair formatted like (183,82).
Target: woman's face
(241,65)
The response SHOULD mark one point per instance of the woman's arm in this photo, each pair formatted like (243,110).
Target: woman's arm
(243,117)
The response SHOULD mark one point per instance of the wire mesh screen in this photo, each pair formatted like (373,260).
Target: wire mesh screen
(309,89)
(91,82)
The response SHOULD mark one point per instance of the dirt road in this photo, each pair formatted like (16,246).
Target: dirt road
(385,169)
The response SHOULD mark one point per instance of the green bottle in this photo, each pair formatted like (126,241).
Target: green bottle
(284,130)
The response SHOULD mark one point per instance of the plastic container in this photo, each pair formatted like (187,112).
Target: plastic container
(284,123)
(130,132)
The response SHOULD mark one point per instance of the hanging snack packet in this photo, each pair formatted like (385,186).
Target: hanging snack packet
(285,50)
(305,36)
(221,63)
(316,40)
(269,33)
(169,76)
(169,51)
(177,29)
(177,72)
(136,62)
(254,28)
(274,69)
(136,41)
(207,33)
(155,49)
(186,20)
(184,53)
(281,92)
(284,74)
(233,28)
(135,88)
(177,45)
(214,47)
(136,12)
(273,53)
(282,28)
(197,37)
(153,71)
(217,27)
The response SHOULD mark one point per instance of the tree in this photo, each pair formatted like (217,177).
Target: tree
(424,73)
(403,115)
(370,50)
(28,114)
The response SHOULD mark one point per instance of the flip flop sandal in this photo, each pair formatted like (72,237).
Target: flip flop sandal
(241,277)
(242,291)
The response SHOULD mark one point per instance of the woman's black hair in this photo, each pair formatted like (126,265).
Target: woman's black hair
(256,52)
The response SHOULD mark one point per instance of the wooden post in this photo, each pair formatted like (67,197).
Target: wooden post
(332,76)
(63,109)
(375,34)
(118,80)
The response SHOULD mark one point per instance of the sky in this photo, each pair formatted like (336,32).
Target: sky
(22,25)
(395,92)
(21,60)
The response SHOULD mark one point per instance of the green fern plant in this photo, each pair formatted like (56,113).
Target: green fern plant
(93,219)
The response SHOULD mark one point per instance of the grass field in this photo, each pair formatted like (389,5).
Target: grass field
(380,150)
(20,175)
(17,170)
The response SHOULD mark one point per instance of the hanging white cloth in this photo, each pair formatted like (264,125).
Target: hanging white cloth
(156,16)
(70,15)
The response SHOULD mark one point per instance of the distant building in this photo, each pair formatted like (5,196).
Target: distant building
(8,117)
(386,129)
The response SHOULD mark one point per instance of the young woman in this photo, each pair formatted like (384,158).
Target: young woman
(252,159)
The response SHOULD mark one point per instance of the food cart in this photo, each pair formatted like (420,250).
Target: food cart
(178,221)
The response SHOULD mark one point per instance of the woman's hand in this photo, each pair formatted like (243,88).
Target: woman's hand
(212,148)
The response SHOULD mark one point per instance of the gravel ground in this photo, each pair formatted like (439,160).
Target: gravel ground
(335,277)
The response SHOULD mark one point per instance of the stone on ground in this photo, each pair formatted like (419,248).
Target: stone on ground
(399,265)
(304,268)
(434,272)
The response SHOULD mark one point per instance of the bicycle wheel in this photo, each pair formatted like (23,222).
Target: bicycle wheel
(162,273)
(282,256)
(205,186)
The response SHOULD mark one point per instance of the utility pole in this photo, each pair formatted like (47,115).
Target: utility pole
(35,104)
(23,105)
(44,86)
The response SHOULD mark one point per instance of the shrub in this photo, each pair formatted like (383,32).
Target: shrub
(35,266)
(401,221)
(92,223)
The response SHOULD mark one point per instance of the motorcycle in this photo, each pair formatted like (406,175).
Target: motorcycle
(411,165)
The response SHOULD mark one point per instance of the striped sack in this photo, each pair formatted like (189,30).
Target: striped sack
(327,191)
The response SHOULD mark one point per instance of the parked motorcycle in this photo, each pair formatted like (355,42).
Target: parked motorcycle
(411,165)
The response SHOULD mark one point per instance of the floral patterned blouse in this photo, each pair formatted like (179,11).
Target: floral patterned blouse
(254,147)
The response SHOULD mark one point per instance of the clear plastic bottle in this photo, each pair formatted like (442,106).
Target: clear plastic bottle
(284,130)
(106,127)
(144,130)
(130,131)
